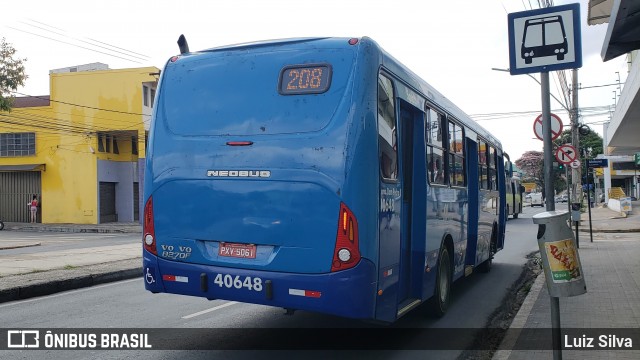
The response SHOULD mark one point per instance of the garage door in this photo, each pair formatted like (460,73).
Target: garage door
(16,190)
(108,202)
(136,201)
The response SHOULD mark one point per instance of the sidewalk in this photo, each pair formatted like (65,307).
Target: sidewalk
(611,305)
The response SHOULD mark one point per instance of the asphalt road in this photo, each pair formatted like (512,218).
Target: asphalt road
(126,304)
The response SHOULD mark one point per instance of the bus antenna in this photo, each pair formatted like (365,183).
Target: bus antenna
(182,44)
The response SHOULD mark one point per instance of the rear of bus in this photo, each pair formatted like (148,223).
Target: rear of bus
(248,158)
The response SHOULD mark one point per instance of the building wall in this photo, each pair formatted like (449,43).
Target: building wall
(85,106)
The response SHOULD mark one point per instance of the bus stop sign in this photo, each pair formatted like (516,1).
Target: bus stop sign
(545,39)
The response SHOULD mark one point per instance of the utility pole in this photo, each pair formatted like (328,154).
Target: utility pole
(576,174)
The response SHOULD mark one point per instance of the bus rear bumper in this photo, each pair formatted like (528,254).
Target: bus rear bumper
(348,293)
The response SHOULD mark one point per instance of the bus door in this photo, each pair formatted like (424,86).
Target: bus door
(513,206)
(502,190)
(413,167)
(474,201)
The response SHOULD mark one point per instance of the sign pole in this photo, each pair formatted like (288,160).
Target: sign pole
(548,144)
(550,201)
(589,197)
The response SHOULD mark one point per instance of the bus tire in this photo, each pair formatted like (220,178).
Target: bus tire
(515,215)
(508,213)
(439,302)
(486,265)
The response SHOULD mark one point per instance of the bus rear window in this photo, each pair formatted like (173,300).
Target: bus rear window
(253,93)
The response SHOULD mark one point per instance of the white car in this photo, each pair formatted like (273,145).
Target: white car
(536,199)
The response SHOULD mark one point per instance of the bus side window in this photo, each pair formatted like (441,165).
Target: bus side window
(387,134)
(456,155)
(493,180)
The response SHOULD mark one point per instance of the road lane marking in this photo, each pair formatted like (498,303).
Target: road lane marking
(210,310)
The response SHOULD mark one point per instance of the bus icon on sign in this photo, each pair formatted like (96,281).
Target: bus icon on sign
(544,36)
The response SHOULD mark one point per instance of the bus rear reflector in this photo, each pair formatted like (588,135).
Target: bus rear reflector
(148,231)
(183,279)
(346,253)
(305,293)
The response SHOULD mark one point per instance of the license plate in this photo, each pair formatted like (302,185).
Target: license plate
(246,251)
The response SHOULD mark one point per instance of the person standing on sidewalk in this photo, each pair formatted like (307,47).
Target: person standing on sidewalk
(34,208)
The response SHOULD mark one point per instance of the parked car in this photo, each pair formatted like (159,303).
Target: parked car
(536,199)
(564,198)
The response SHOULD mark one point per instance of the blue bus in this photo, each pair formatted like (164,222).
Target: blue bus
(315,174)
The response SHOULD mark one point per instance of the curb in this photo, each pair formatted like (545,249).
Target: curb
(75,228)
(611,231)
(55,286)
(72,230)
(18,246)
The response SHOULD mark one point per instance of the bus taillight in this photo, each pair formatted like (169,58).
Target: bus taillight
(149,237)
(346,253)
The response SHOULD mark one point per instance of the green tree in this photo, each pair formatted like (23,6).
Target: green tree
(12,74)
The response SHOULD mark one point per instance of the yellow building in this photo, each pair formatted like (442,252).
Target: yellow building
(80,150)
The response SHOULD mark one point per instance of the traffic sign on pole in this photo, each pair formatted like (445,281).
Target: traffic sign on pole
(556,127)
(575,164)
(566,154)
(598,163)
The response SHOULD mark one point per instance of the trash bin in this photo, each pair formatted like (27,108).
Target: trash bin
(560,258)
(575,212)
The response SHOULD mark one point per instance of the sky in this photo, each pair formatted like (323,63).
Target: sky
(451,44)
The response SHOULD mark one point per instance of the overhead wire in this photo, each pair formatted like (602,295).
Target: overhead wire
(596,110)
(68,43)
(124,52)
(49,110)
(83,106)
(64,123)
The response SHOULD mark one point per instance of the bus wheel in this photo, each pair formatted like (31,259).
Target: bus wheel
(514,215)
(485,266)
(440,300)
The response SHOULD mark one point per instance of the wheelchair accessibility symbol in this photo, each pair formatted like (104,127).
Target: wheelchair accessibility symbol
(149,277)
